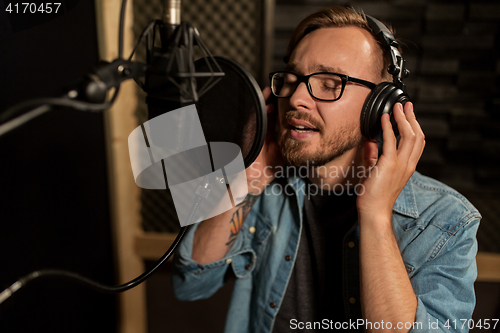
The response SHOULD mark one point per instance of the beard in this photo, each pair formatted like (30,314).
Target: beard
(331,146)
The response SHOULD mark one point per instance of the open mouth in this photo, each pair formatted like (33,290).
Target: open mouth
(303,129)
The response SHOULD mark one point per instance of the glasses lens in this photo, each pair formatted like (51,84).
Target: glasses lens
(326,86)
(283,84)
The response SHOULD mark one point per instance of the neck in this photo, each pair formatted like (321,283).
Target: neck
(345,170)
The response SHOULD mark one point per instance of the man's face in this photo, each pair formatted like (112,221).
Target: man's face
(332,128)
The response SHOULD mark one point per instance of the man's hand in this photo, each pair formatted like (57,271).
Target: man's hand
(386,291)
(390,173)
(261,172)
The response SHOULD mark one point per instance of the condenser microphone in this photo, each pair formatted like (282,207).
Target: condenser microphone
(229,101)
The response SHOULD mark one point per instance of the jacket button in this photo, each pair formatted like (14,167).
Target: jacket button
(247,267)
(288,258)
(352,300)
(272,305)
(351,244)
(251,229)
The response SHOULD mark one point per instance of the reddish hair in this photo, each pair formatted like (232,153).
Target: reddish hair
(338,16)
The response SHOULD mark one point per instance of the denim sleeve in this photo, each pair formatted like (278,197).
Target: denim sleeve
(445,284)
(192,281)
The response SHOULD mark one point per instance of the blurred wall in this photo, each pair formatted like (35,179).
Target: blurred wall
(54,204)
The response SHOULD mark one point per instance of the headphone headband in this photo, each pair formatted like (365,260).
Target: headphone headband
(398,65)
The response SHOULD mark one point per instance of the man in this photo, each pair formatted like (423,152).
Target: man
(360,242)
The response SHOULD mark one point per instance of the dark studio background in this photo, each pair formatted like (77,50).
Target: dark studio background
(54,209)
(54,194)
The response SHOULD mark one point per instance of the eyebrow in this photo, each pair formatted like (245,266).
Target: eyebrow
(317,68)
(322,68)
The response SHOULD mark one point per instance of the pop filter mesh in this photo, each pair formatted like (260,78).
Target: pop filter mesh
(234,109)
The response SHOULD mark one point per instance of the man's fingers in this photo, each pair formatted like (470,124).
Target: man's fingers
(266,92)
(408,137)
(419,134)
(267,97)
(389,145)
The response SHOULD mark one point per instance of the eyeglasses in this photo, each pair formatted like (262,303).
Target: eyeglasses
(322,86)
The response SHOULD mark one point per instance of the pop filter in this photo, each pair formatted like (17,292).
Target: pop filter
(218,137)
(234,109)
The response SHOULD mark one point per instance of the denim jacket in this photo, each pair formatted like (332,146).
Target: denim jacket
(435,228)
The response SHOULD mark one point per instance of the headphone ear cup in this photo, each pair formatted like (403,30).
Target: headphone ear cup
(381,100)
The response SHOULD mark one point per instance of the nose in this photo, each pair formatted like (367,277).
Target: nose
(301,99)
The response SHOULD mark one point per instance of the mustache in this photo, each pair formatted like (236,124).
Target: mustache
(289,115)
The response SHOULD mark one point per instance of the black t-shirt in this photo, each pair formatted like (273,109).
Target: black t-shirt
(314,291)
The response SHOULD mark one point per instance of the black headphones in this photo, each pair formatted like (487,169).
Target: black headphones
(386,94)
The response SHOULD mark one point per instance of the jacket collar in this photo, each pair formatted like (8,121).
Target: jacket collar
(406,203)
